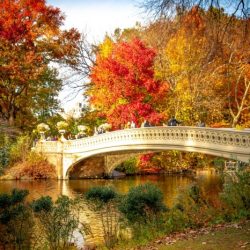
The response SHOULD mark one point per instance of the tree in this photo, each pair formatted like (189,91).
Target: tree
(237,73)
(206,68)
(161,8)
(30,38)
(123,85)
(188,69)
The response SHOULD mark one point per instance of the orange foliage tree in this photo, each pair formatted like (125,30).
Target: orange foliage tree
(30,38)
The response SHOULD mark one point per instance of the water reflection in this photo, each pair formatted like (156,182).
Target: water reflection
(169,184)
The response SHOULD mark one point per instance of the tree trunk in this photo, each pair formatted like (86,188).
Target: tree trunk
(11,120)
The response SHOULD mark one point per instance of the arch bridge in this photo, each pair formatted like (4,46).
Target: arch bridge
(118,145)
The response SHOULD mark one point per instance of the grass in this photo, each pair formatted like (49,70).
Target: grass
(229,238)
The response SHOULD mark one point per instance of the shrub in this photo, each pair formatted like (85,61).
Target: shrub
(129,166)
(43,204)
(219,163)
(176,220)
(58,220)
(16,221)
(142,203)
(148,164)
(143,210)
(236,194)
(5,144)
(20,149)
(37,167)
(104,200)
(103,195)
(4,157)
(193,204)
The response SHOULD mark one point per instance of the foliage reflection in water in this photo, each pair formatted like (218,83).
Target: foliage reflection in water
(169,184)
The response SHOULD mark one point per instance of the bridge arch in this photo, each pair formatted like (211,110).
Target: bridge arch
(227,143)
(105,162)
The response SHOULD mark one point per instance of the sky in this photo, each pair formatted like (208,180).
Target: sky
(96,18)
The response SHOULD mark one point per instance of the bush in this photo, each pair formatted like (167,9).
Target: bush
(129,166)
(176,220)
(20,149)
(58,220)
(16,220)
(236,194)
(36,166)
(102,195)
(196,209)
(142,203)
(104,200)
(5,144)
(219,163)
(43,204)
(4,157)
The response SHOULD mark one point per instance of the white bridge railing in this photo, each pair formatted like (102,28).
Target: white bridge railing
(196,139)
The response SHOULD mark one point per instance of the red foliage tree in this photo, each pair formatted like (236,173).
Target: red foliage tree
(147,165)
(123,84)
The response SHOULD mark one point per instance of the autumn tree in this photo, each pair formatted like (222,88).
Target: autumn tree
(201,62)
(30,38)
(236,72)
(123,84)
(159,8)
(185,65)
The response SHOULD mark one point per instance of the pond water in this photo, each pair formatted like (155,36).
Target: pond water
(170,185)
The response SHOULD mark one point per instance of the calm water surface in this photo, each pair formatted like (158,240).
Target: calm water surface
(170,185)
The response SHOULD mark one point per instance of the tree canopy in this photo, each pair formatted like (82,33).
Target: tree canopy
(123,85)
(30,39)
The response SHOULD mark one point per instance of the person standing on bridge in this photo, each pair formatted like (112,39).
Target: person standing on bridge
(173,122)
(132,125)
(201,124)
(147,124)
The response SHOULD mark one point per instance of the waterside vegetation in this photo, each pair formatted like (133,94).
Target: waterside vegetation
(140,215)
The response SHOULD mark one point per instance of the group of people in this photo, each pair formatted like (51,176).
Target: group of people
(172,122)
(132,124)
(129,125)
(100,130)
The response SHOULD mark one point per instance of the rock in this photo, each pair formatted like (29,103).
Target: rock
(117,174)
